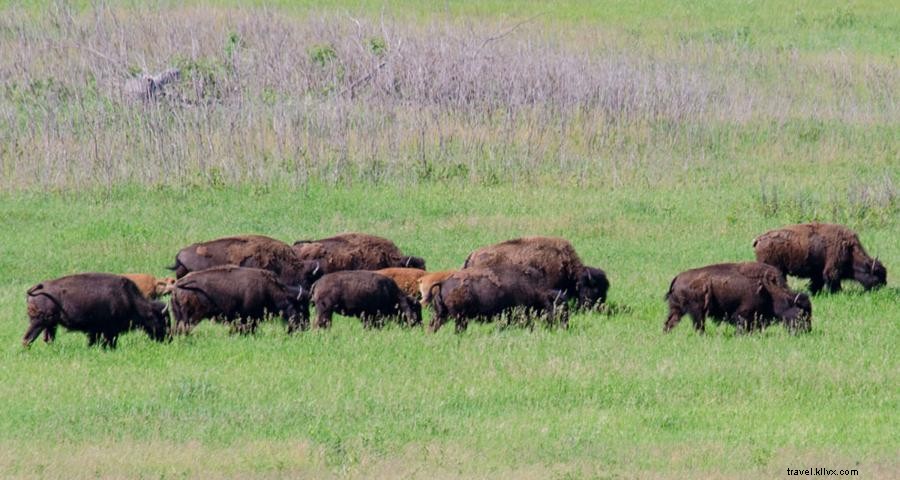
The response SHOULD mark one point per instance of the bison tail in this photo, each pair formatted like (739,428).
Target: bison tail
(437,301)
(31,291)
(671,288)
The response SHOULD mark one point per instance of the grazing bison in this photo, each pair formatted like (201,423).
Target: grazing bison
(484,293)
(253,251)
(555,259)
(102,305)
(428,280)
(150,286)
(239,295)
(405,278)
(364,294)
(749,295)
(355,251)
(823,252)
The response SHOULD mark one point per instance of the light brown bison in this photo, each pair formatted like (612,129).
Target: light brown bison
(428,280)
(150,286)
(238,295)
(252,251)
(405,278)
(556,260)
(485,293)
(749,295)
(364,294)
(824,253)
(102,305)
(355,251)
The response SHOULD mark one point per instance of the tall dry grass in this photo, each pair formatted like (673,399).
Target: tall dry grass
(266,97)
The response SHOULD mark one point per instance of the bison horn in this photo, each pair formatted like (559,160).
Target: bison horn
(874,262)
(316,270)
(796,298)
(165,308)
(589,276)
(408,259)
(300,293)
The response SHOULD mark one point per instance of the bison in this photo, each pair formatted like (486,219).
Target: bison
(355,251)
(559,266)
(364,294)
(150,286)
(825,253)
(484,293)
(749,295)
(405,278)
(428,280)
(241,296)
(102,305)
(253,251)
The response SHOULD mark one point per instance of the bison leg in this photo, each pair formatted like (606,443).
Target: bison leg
(462,323)
(50,333)
(110,340)
(816,282)
(92,338)
(699,319)
(673,319)
(834,286)
(323,318)
(34,329)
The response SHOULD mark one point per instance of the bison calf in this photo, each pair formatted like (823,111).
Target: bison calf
(238,295)
(364,294)
(150,286)
(484,293)
(749,295)
(425,282)
(405,278)
(100,304)
(824,253)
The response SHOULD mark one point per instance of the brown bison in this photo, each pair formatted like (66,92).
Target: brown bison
(150,286)
(823,252)
(239,295)
(749,295)
(363,294)
(485,293)
(102,305)
(428,280)
(405,278)
(555,259)
(253,251)
(355,251)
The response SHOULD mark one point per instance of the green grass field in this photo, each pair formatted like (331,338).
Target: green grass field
(611,397)
(710,123)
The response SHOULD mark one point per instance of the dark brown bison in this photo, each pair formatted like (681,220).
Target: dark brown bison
(749,295)
(555,259)
(239,295)
(405,278)
(252,251)
(355,251)
(365,294)
(824,253)
(485,293)
(102,305)
(150,286)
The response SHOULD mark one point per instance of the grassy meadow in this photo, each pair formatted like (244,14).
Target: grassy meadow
(655,141)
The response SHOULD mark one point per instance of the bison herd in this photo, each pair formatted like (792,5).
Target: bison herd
(243,279)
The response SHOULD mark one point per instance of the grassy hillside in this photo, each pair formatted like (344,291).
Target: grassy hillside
(656,136)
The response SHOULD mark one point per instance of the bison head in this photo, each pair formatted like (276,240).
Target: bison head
(296,311)
(302,273)
(156,321)
(794,309)
(591,287)
(870,273)
(412,310)
(164,286)
(413,262)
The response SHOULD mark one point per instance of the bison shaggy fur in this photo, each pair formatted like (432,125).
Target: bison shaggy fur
(825,253)
(485,293)
(102,305)
(355,251)
(556,260)
(252,251)
(365,294)
(748,295)
(238,295)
